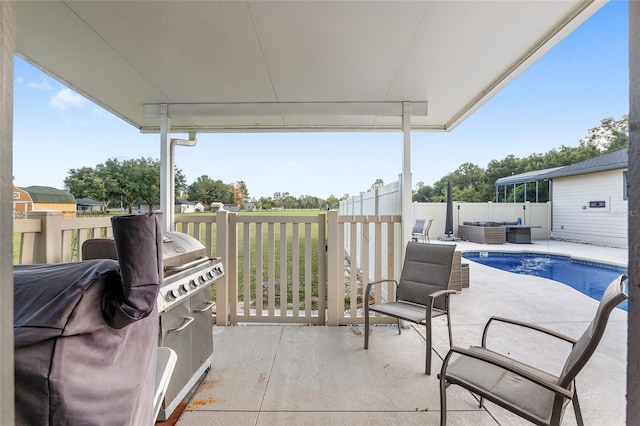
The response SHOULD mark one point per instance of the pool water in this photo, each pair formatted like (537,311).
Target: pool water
(588,278)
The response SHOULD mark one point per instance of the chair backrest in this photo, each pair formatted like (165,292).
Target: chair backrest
(588,342)
(99,248)
(426,268)
(426,230)
(418,227)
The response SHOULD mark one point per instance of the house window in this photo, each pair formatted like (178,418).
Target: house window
(625,186)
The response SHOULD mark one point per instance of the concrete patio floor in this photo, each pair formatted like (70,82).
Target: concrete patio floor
(303,375)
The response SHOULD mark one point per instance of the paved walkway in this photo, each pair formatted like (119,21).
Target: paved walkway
(299,375)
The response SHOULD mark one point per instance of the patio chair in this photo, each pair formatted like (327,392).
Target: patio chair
(421,293)
(420,232)
(99,248)
(531,393)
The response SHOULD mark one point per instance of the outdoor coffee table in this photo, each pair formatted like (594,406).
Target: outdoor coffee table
(520,234)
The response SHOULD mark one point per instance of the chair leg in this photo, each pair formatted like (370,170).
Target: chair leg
(399,326)
(366,326)
(427,367)
(443,402)
(449,327)
(443,389)
(576,406)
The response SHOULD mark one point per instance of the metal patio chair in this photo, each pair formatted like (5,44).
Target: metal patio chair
(531,393)
(420,232)
(99,248)
(422,292)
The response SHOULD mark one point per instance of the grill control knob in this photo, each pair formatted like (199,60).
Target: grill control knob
(172,294)
(203,279)
(184,288)
(193,283)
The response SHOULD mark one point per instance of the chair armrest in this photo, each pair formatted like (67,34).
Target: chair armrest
(441,293)
(370,286)
(487,357)
(526,325)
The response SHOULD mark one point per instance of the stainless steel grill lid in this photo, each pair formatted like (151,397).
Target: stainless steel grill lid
(179,249)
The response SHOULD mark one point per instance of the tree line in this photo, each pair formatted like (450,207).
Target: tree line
(472,183)
(126,183)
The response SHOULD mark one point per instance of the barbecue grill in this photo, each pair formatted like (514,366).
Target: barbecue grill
(99,321)
(184,305)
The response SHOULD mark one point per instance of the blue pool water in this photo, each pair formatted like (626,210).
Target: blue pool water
(588,278)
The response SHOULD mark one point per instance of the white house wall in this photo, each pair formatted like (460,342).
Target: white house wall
(574,219)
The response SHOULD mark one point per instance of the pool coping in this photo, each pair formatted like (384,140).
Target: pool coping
(576,259)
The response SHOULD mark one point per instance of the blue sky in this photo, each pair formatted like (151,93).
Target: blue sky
(583,80)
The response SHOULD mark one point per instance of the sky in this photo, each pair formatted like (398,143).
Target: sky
(581,81)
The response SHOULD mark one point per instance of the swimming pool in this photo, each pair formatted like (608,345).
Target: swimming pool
(589,278)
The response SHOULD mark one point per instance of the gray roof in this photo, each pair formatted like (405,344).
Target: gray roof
(524,177)
(186,202)
(88,202)
(604,163)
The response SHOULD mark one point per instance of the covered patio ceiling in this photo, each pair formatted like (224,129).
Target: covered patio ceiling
(225,66)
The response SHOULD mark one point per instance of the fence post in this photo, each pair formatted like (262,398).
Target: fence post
(322,269)
(335,270)
(49,243)
(222,285)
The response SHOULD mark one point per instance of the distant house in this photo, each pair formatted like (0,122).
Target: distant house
(87,205)
(181,206)
(43,198)
(232,207)
(199,206)
(589,200)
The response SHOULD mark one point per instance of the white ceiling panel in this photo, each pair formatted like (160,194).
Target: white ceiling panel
(449,55)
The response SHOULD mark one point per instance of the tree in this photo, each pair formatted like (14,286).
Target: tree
(378,182)
(179,182)
(265,203)
(424,194)
(133,180)
(110,172)
(240,192)
(333,201)
(207,190)
(86,183)
(146,173)
(611,135)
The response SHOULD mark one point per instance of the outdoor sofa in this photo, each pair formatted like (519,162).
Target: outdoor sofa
(485,232)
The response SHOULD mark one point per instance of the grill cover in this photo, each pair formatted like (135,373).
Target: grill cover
(138,240)
(71,367)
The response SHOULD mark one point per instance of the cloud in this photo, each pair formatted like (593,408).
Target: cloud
(44,85)
(66,98)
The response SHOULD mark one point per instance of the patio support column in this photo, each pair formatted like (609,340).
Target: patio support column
(165,170)
(633,337)
(7,51)
(407,219)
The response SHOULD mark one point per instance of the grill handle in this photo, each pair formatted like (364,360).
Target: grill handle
(206,308)
(186,324)
(185,266)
